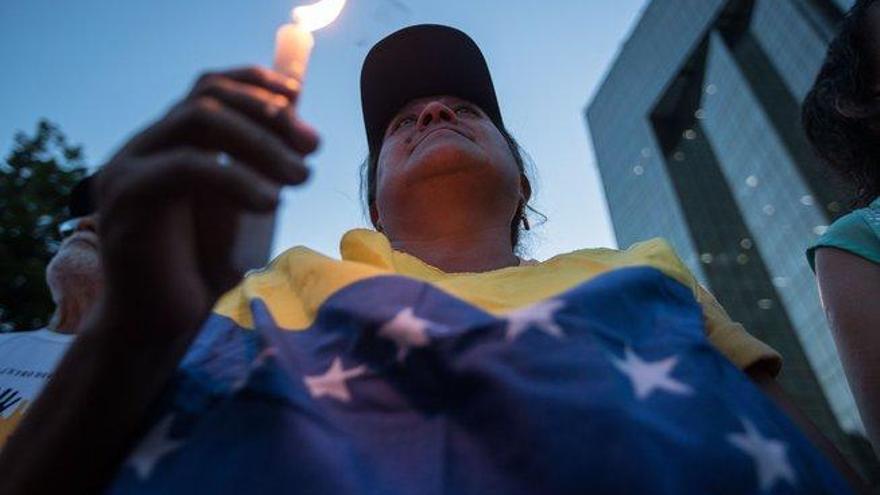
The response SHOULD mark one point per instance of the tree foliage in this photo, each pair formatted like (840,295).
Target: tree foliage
(35,181)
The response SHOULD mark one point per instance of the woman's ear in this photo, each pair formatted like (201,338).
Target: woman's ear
(525,188)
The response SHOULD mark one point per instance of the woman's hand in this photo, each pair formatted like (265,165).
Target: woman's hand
(169,200)
(168,208)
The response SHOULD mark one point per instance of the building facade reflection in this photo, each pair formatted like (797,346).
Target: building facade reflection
(696,130)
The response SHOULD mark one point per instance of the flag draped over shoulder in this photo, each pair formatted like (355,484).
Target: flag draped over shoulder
(398,387)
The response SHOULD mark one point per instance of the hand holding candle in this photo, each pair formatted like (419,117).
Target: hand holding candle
(293,46)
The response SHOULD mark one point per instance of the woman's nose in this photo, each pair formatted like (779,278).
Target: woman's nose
(435,112)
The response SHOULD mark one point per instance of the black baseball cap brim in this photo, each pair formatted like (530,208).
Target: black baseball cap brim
(418,62)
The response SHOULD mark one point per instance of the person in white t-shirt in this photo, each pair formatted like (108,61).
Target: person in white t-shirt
(75,280)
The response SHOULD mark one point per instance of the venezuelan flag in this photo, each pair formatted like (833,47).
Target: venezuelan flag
(599,371)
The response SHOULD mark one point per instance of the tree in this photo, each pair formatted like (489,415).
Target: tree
(35,181)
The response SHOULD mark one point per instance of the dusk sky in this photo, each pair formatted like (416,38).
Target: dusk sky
(103,69)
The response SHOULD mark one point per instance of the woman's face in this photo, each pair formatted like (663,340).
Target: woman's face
(448,148)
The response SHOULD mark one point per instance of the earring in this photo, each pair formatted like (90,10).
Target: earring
(521,211)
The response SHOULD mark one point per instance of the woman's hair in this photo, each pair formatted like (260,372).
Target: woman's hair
(368,185)
(841,113)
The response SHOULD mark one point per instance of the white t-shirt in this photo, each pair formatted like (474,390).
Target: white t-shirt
(27,360)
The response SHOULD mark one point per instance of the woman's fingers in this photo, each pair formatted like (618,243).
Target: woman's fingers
(263,106)
(208,124)
(159,216)
(215,227)
(270,80)
(304,138)
(150,182)
(232,98)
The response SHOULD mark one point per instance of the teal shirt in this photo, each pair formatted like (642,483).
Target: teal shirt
(857,233)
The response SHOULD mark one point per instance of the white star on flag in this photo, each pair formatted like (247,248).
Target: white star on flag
(769,455)
(156,445)
(407,331)
(649,376)
(332,382)
(539,316)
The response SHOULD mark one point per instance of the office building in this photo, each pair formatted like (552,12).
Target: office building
(696,131)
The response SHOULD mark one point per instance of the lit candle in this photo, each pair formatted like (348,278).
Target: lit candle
(293,46)
(294,41)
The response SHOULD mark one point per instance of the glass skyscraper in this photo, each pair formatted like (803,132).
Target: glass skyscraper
(696,130)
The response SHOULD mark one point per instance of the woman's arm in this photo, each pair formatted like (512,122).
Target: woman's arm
(849,286)
(78,430)
(765,381)
(167,209)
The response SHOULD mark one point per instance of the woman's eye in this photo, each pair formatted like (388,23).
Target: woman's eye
(465,110)
(404,122)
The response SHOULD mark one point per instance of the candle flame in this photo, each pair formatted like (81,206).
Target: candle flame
(317,15)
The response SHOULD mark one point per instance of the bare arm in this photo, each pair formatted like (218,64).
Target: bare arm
(850,289)
(81,425)
(772,389)
(167,210)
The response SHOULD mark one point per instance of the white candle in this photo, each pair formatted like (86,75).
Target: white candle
(294,41)
(253,244)
(293,45)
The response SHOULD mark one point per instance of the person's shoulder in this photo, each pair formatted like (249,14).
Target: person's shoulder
(7,336)
(656,252)
(292,282)
(18,334)
(650,248)
(856,222)
(870,217)
(857,232)
(41,335)
(273,281)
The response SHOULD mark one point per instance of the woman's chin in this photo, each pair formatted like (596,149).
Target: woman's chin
(444,156)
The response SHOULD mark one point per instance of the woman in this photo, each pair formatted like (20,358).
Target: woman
(840,116)
(427,360)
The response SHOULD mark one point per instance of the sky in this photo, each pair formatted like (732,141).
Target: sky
(104,69)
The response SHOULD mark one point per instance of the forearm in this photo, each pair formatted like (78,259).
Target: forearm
(867,394)
(76,433)
(848,285)
(856,338)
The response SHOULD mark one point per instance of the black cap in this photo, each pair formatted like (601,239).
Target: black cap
(421,61)
(81,203)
